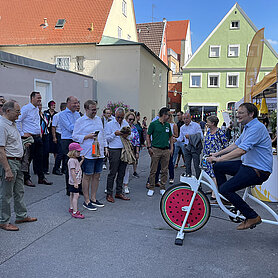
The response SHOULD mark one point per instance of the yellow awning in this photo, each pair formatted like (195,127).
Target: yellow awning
(266,82)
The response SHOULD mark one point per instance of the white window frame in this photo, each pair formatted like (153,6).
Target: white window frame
(128,37)
(173,67)
(229,103)
(234,45)
(227,80)
(62,57)
(214,46)
(214,74)
(81,58)
(120,32)
(124,8)
(49,93)
(154,74)
(190,80)
(160,78)
(235,28)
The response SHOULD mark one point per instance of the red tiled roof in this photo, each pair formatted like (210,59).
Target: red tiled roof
(176,32)
(151,35)
(20,21)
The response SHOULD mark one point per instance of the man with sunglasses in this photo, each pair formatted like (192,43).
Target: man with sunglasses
(115,145)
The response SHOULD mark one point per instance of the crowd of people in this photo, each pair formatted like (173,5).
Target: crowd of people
(85,145)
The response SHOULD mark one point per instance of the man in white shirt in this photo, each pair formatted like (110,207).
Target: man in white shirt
(28,125)
(117,167)
(86,130)
(190,129)
(56,134)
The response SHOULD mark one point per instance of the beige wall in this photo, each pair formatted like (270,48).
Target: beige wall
(117,18)
(17,82)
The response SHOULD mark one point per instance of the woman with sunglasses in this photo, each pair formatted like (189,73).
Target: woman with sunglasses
(135,141)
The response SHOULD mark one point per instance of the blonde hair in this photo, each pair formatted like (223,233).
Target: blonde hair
(72,154)
(130,113)
(171,119)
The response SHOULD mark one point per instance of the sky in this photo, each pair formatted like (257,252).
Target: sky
(204,15)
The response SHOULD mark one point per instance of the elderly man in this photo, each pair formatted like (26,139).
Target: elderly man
(12,182)
(191,135)
(117,167)
(28,124)
(86,130)
(67,119)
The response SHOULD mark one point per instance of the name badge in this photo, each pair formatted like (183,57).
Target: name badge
(167,129)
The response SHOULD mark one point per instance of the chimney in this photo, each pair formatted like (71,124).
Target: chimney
(164,20)
(92,26)
(45,22)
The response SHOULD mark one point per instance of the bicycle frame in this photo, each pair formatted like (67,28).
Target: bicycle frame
(205,179)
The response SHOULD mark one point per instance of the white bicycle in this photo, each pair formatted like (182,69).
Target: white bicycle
(186,208)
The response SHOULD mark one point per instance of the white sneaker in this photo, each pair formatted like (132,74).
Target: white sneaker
(162,191)
(150,192)
(171,181)
(105,191)
(126,189)
(104,167)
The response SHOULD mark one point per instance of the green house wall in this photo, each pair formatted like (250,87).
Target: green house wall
(202,63)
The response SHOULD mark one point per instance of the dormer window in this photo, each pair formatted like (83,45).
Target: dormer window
(234,24)
(60,24)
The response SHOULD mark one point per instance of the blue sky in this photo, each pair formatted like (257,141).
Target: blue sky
(204,15)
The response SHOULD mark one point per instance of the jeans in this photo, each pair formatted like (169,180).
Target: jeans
(243,176)
(60,157)
(178,146)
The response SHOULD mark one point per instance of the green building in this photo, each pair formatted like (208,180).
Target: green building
(214,77)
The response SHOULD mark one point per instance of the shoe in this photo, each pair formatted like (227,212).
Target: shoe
(90,206)
(105,190)
(46,173)
(157,184)
(135,175)
(183,166)
(57,172)
(97,204)
(171,181)
(150,192)
(110,198)
(148,185)
(45,181)
(26,219)
(104,167)
(126,190)
(78,215)
(122,197)
(64,171)
(70,210)
(29,183)
(9,227)
(176,166)
(249,223)
(162,191)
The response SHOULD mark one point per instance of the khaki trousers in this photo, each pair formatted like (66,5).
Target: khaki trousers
(163,157)
(13,189)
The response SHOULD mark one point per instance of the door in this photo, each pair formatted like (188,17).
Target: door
(45,88)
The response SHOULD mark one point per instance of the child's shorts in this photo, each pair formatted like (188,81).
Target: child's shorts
(75,190)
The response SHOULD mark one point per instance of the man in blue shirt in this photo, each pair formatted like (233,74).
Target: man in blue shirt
(254,148)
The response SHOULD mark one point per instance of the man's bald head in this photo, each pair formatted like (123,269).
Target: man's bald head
(187,118)
(72,103)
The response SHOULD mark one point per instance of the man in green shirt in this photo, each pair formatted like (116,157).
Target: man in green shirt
(160,148)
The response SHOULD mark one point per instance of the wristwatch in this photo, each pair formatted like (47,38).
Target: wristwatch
(149,147)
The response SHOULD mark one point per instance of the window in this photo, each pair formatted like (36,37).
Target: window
(214,80)
(45,89)
(233,50)
(80,63)
(231,105)
(173,67)
(119,32)
(234,24)
(195,80)
(128,37)
(232,80)
(124,8)
(154,74)
(214,51)
(160,78)
(63,62)
(60,24)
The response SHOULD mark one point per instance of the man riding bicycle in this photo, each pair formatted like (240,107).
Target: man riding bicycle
(254,148)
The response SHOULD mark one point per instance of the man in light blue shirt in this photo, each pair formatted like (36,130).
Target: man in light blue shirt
(254,148)
(67,119)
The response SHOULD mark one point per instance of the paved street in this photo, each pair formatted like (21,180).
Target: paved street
(130,239)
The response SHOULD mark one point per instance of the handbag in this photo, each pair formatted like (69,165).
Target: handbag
(95,148)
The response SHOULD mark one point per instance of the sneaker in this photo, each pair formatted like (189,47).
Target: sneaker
(104,167)
(70,210)
(90,206)
(78,215)
(105,191)
(171,181)
(162,191)
(126,190)
(135,175)
(97,204)
(150,192)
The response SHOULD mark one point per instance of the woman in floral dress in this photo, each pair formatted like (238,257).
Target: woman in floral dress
(215,141)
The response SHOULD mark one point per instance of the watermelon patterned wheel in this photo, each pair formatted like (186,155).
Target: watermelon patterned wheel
(178,196)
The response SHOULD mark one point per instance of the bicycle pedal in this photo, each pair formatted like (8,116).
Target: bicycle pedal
(178,241)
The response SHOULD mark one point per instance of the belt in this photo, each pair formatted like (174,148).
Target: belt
(258,172)
(33,135)
(14,158)
(165,148)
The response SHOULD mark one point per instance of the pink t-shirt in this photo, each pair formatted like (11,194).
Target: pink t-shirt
(73,163)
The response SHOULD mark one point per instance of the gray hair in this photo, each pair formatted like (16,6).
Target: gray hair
(8,105)
(120,110)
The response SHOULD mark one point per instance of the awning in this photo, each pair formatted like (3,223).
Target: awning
(265,85)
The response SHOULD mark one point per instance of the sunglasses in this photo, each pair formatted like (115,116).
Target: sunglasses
(119,117)
(131,119)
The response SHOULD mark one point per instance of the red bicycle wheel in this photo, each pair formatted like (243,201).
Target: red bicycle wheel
(178,196)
